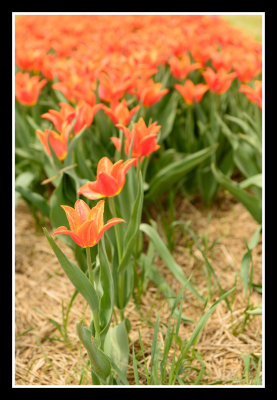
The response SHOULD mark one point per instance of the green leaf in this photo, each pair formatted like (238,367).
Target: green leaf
(255,180)
(23,180)
(253,204)
(172,173)
(107,299)
(71,147)
(133,227)
(99,361)
(168,259)
(36,199)
(116,346)
(166,115)
(75,275)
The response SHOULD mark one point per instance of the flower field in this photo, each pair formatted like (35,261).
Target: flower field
(138,201)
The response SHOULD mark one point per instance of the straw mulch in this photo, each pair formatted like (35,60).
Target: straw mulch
(42,358)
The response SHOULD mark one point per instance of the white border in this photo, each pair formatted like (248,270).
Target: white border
(263,201)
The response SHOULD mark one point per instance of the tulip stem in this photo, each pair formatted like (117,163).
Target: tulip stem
(113,211)
(95,315)
(119,249)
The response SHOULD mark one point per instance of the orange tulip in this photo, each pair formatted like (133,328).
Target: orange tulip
(58,141)
(149,92)
(111,90)
(254,94)
(247,67)
(83,113)
(143,139)
(110,179)
(191,92)
(119,113)
(27,88)
(181,67)
(86,225)
(220,81)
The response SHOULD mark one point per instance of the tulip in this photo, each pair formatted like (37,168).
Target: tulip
(110,179)
(119,113)
(27,88)
(149,92)
(191,92)
(220,81)
(86,225)
(143,139)
(58,141)
(83,113)
(254,94)
(180,68)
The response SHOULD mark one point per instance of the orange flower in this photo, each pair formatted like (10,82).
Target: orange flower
(119,113)
(143,139)
(27,88)
(112,89)
(58,141)
(110,179)
(86,225)
(83,113)
(254,94)
(220,81)
(149,92)
(247,67)
(191,92)
(181,67)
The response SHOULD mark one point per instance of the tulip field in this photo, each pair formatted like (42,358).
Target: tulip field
(138,193)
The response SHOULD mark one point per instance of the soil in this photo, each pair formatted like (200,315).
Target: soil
(41,288)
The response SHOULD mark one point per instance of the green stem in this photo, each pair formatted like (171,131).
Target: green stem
(113,211)
(119,249)
(95,315)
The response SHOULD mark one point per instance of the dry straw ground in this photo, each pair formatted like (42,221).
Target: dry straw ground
(41,287)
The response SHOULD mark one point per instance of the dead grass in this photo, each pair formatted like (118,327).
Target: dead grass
(41,286)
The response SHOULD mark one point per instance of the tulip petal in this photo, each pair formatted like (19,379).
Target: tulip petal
(117,142)
(62,230)
(87,191)
(106,184)
(73,218)
(82,209)
(88,233)
(104,165)
(109,224)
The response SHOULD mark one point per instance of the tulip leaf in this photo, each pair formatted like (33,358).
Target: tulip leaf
(255,180)
(116,346)
(99,361)
(23,180)
(175,171)
(71,147)
(168,259)
(35,198)
(75,275)
(252,203)
(107,299)
(166,116)
(133,227)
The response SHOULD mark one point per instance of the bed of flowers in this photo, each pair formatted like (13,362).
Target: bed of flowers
(115,115)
